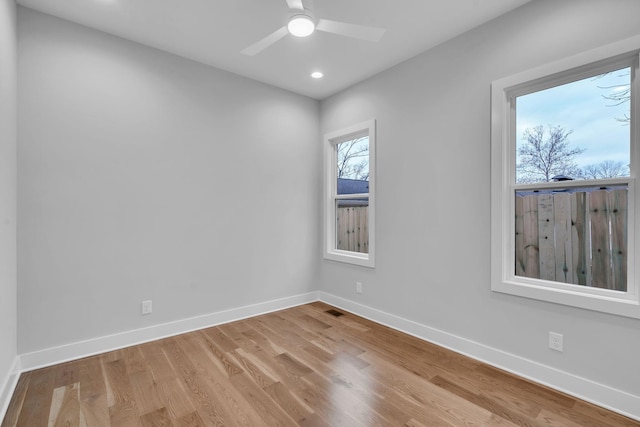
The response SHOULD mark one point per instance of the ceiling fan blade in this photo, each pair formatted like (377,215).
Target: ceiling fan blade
(361,32)
(258,47)
(295,4)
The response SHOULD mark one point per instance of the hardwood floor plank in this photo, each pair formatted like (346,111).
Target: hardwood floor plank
(330,403)
(174,396)
(145,392)
(550,419)
(220,338)
(414,423)
(235,332)
(266,408)
(236,403)
(276,322)
(37,403)
(259,372)
(134,359)
(93,393)
(489,378)
(220,358)
(310,392)
(300,366)
(500,422)
(253,336)
(601,415)
(157,361)
(294,407)
(122,410)
(434,399)
(231,405)
(519,416)
(192,419)
(66,374)
(314,420)
(293,366)
(199,392)
(65,406)
(157,418)
(17,400)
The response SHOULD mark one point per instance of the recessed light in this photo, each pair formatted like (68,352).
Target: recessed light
(301,25)
(317,75)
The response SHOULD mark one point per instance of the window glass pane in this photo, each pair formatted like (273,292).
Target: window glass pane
(579,130)
(353,166)
(352,225)
(576,236)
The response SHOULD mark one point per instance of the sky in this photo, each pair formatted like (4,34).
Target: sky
(581,107)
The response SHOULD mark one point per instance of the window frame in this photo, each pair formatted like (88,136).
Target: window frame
(331,140)
(503,183)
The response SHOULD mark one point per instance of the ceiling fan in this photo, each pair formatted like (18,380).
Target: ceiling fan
(301,23)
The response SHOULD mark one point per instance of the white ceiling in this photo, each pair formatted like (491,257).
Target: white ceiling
(215,31)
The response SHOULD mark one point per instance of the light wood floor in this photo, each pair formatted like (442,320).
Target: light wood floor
(301,366)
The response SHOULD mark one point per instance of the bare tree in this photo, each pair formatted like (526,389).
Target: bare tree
(590,172)
(353,159)
(618,95)
(546,153)
(605,169)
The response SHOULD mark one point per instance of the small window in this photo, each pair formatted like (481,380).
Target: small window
(350,179)
(564,168)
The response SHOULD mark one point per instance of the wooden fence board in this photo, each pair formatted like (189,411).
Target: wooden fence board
(579,233)
(546,237)
(520,261)
(618,204)
(350,229)
(341,228)
(563,247)
(531,251)
(365,230)
(600,249)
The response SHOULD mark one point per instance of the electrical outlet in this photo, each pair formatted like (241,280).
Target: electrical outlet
(147,307)
(555,341)
(358,287)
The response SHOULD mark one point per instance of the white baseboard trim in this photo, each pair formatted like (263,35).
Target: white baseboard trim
(599,394)
(77,350)
(9,386)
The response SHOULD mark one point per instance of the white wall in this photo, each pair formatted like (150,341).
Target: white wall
(143,175)
(8,167)
(433,200)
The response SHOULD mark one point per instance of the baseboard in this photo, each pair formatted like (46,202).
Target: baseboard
(9,386)
(599,394)
(77,350)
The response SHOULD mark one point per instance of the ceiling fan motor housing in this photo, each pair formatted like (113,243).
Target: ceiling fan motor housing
(301,24)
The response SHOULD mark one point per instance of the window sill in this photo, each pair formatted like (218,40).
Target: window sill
(355,258)
(602,300)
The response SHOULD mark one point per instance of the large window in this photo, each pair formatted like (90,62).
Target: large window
(350,194)
(564,193)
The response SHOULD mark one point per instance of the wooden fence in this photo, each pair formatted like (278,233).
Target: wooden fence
(578,237)
(352,230)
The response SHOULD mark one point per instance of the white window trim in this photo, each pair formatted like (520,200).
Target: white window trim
(330,166)
(503,278)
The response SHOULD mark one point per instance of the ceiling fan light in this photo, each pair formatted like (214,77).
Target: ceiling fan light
(301,25)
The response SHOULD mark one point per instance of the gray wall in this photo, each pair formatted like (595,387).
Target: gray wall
(8,167)
(433,205)
(143,175)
